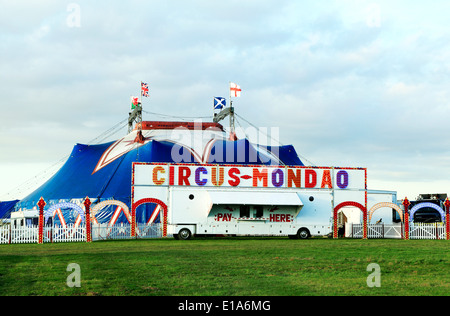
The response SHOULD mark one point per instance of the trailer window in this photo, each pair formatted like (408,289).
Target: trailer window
(258,213)
(244,211)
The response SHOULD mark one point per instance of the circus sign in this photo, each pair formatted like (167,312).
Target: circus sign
(249,176)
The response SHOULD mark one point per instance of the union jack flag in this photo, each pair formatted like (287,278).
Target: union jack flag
(144,89)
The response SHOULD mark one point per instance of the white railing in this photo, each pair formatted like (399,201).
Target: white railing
(106,232)
(394,231)
(4,234)
(427,231)
(72,233)
(149,231)
(416,231)
(391,231)
(19,235)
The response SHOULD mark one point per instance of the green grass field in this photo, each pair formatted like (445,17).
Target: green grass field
(228,267)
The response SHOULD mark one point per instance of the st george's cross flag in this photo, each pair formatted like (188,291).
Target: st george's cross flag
(219,103)
(235,90)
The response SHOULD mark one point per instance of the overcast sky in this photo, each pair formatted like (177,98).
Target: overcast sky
(348,83)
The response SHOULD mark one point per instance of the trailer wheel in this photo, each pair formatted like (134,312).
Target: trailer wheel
(184,234)
(303,233)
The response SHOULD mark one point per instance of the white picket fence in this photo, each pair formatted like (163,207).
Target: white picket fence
(416,231)
(391,231)
(70,233)
(427,231)
(76,233)
(19,235)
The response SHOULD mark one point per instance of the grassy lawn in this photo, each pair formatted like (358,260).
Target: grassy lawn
(228,267)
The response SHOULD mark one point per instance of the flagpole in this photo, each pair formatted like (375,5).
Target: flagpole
(140,92)
(140,110)
(229,88)
(214,109)
(231,107)
(232,131)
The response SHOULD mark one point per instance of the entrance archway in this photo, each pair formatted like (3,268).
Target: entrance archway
(144,201)
(101,205)
(426,204)
(49,212)
(386,204)
(354,204)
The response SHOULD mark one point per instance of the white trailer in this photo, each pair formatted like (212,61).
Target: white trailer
(247,200)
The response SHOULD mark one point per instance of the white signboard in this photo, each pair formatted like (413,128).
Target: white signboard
(248,176)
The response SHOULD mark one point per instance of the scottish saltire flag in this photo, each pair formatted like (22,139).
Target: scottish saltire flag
(144,89)
(219,103)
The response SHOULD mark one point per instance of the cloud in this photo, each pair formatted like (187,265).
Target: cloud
(344,91)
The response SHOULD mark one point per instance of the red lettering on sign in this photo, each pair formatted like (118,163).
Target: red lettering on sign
(310,178)
(326,179)
(280,218)
(223,217)
(232,174)
(171,175)
(293,178)
(259,176)
(183,176)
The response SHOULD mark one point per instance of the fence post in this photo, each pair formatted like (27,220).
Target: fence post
(41,205)
(87,205)
(447,219)
(406,217)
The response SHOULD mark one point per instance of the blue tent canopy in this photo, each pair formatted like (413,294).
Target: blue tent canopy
(6,208)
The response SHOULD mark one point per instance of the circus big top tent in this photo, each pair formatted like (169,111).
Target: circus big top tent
(104,171)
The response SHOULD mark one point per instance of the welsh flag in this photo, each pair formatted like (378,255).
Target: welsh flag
(134,102)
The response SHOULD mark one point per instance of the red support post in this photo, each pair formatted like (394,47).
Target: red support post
(87,206)
(133,221)
(164,222)
(447,219)
(365,224)
(406,204)
(335,225)
(41,205)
